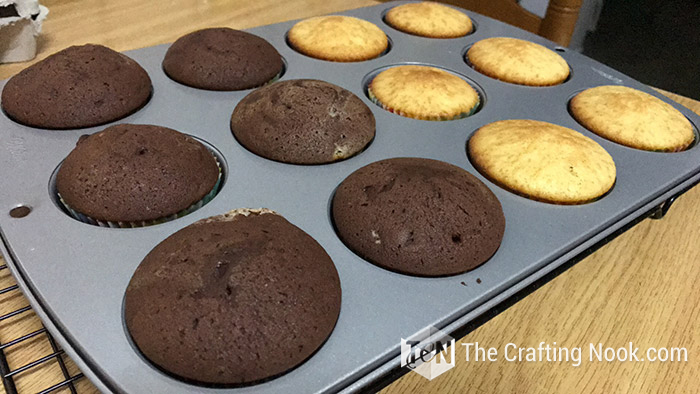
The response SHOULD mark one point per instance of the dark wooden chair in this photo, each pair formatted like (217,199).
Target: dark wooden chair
(557,25)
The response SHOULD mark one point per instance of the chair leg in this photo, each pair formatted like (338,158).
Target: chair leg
(560,20)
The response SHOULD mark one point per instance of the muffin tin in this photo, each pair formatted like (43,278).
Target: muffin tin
(75,274)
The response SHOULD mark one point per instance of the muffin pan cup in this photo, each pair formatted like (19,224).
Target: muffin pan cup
(106,223)
(75,274)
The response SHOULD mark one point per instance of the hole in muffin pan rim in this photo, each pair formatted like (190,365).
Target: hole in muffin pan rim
(20,211)
(352,269)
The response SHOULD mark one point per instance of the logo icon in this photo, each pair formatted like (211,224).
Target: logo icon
(429,353)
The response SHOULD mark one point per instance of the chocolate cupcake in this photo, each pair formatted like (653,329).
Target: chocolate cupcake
(222,59)
(233,299)
(418,216)
(303,121)
(80,86)
(136,175)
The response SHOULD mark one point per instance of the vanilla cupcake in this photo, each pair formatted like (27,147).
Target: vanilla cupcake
(423,92)
(338,38)
(429,19)
(542,161)
(517,61)
(632,118)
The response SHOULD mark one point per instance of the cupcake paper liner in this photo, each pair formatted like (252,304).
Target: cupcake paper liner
(274,79)
(144,223)
(462,115)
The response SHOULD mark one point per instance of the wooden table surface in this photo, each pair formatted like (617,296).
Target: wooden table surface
(644,287)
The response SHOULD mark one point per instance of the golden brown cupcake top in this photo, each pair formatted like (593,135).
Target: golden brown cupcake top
(518,61)
(338,38)
(429,19)
(542,161)
(423,92)
(633,118)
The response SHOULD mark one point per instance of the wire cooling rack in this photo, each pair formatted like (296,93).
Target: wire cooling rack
(30,359)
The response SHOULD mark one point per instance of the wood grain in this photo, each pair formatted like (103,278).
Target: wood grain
(643,287)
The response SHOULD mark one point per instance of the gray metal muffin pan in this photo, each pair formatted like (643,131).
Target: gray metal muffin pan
(75,274)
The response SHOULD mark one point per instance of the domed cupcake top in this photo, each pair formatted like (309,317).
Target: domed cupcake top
(429,19)
(303,121)
(632,118)
(222,59)
(518,61)
(542,161)
(135,173)
(80,86)
(338,38)
(418,216)
(233,299)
